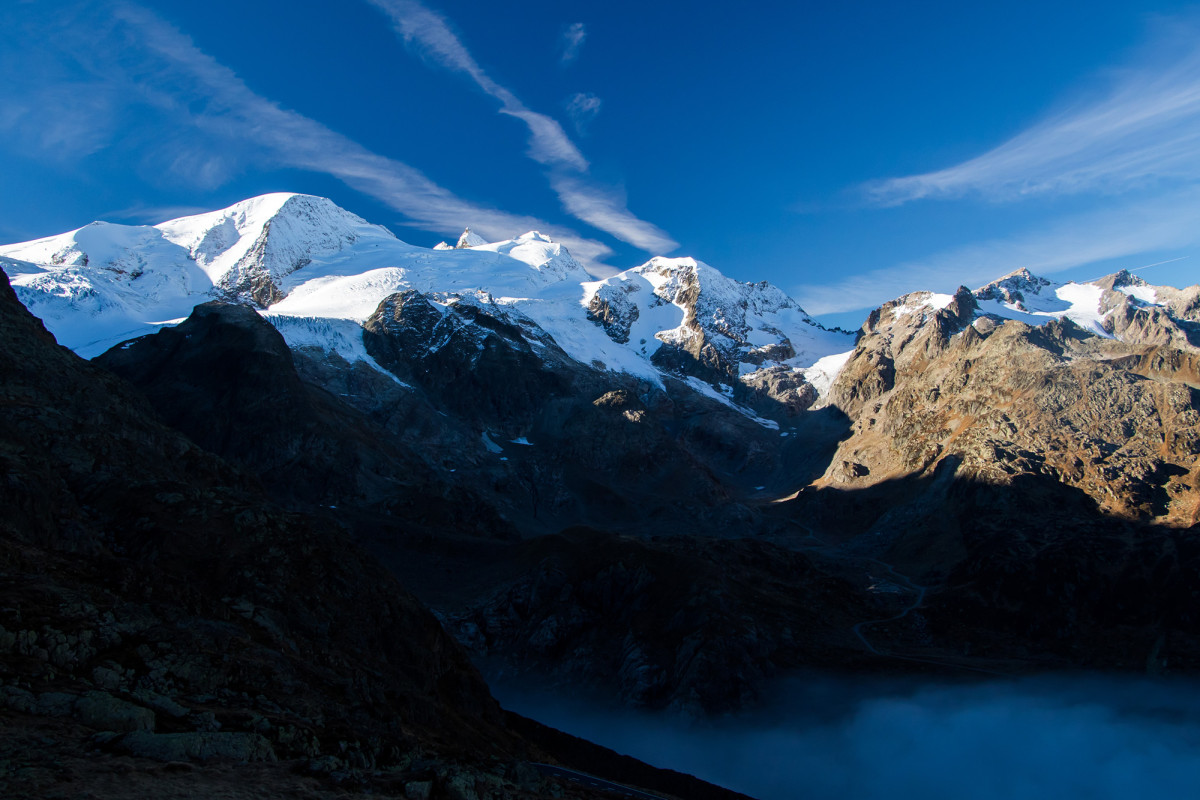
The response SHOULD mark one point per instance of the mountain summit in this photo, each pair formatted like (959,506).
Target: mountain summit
(319,272)
(469,239)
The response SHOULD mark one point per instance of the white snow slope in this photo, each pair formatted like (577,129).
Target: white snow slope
(104,283)
(1020,295)
(1023,296)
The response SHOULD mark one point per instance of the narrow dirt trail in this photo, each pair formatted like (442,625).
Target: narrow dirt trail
(903,581)
(913,606)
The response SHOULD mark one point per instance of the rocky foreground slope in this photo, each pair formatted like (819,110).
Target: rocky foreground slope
(167,630)
(667,486)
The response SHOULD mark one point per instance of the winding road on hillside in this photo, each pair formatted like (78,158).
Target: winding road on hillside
(913,606)
(903,581)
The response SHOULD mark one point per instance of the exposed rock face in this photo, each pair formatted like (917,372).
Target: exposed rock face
(1175,323)
(692,321)
(611,308)
(780,387)
(1013,287)
(1007,399)
(716,327)
(472,358)
(304,227)
(1039,479)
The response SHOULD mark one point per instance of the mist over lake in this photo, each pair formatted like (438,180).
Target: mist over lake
(1060,736)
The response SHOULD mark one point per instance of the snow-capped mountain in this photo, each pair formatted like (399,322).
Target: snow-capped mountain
(1088,385)
(317,272)
(1107,307)
(469,239)
(249,249)
(104,283)
(732,327)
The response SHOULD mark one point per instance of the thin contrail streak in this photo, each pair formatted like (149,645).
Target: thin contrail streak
(1147,266)
(1158,263)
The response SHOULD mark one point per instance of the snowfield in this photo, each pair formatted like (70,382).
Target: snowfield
(317,272)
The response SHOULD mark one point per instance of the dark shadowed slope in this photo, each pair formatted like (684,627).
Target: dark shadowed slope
(156,608)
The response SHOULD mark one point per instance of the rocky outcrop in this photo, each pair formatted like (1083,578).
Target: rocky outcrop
(900,336)
(470,358)
(612,309)
(1037,480)
(1006,399)
(1013,288)
(780,388)
(714,337)
(693,321)
(1173,322)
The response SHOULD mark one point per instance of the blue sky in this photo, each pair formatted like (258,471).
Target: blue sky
(847,152)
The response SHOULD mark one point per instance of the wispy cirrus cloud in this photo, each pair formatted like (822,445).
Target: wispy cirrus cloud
(607,211)
(573,37)
(211,124)
(1168,222)
(549,145)
(1142,128)
(582,108)
(430,34)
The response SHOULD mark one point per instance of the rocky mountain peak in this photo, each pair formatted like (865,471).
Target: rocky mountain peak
(1122,279)
(689,319)
(469,239)
(254,245)
(1013,287)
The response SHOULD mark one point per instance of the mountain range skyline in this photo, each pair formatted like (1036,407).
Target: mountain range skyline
(875,171)
(668,489)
